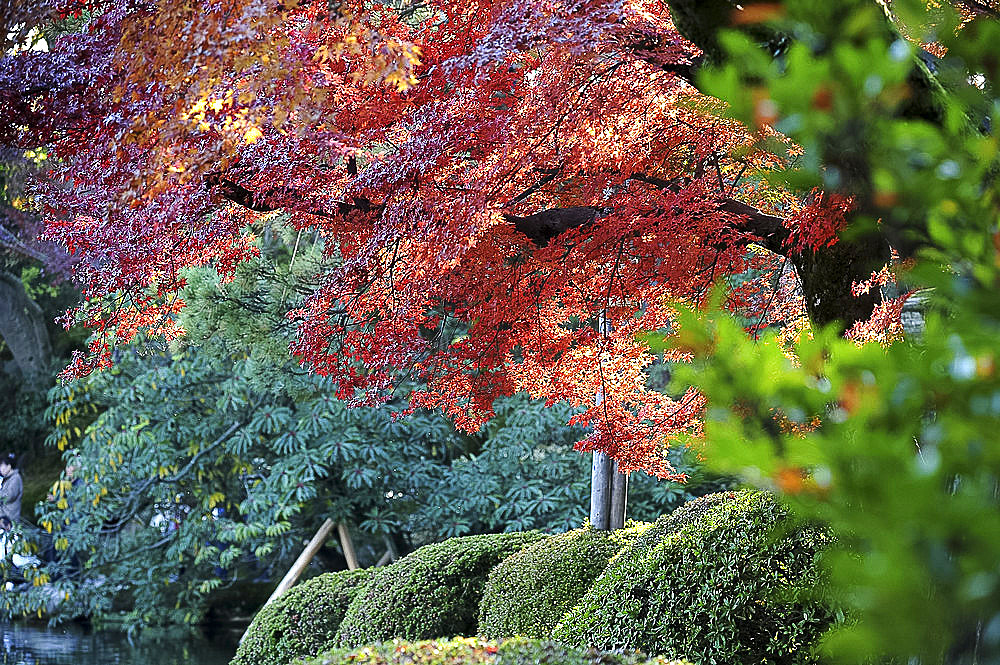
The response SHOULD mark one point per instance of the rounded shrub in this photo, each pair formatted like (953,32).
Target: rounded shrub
(303,622)
(528,592)
(432,592)
(476,651)
(728,579)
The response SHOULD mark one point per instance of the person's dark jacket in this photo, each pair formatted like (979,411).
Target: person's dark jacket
(10,496)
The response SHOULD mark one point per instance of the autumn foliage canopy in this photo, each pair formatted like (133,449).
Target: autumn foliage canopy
(511,193)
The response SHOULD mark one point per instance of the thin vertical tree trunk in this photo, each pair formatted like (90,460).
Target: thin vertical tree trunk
(600,491)
(608,488)
(608,494)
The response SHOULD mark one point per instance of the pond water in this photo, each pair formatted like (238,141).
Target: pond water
(71,644)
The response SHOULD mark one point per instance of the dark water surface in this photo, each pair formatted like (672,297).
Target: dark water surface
(71,644)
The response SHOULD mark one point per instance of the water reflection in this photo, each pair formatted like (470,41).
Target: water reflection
(73,645)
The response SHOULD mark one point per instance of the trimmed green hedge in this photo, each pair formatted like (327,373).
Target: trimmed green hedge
(731,580)
(475,651)
(433,592)
(303,622)
(528,593)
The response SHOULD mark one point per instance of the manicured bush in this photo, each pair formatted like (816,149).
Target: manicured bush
(433,592)
(730,580)
(476,651)
(303,622)
(529,592)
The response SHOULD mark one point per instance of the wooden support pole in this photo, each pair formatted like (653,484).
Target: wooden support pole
(619,498)
(348,546)
(384,559)
(600,491)
(390,547)
(604,470)
(300,564)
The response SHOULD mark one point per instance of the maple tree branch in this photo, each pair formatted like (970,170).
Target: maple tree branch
(548,176)
(684,70)
(238,194)
(769,231)
(275,199)
(541,227)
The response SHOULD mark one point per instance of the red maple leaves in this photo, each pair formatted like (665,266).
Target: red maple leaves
(510,193)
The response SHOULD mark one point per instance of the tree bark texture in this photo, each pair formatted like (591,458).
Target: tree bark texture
(601,474)
(22,326)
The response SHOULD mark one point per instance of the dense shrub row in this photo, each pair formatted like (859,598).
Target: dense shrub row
(529,592)
(476,651)
(303,622)
(433,592)
(727,578)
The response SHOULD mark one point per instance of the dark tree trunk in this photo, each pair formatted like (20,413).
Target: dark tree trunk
(22,326)
(829,274)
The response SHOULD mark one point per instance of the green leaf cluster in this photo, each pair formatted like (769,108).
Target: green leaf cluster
(729,580)
(893,448)
(433,592)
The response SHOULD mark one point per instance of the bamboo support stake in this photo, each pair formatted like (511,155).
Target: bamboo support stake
(348,546)
(300,564)
(390,547)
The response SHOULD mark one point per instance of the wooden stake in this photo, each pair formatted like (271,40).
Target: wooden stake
(618,499)
(390,547)
(300,564)
(600,491)
(347,545)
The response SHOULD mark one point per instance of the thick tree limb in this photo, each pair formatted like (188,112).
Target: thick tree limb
(541,227)
(239,194)
(827,274)
(769,231)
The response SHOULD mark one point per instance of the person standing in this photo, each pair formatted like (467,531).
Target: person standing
(11,489)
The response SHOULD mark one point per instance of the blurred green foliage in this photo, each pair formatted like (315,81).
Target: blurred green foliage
(894,448)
